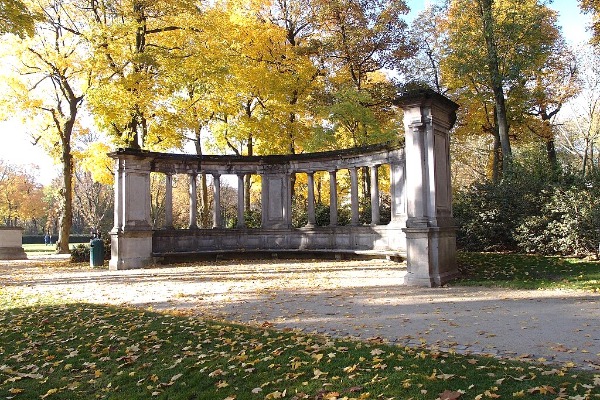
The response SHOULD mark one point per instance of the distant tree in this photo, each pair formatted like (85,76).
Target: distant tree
(579,130)
(592,7)
(497,60)
(48,84)
(21,198)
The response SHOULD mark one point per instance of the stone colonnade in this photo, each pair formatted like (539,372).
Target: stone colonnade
(421,225)
(276,191)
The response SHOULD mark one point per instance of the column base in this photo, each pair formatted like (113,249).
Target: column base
(12,253)
(130,250)
(431,257)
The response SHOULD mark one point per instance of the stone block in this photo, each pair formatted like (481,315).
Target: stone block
(11,246)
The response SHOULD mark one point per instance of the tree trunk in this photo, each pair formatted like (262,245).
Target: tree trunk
(496,159)
(66,218)
(204,206)
(496,81)
(551,153)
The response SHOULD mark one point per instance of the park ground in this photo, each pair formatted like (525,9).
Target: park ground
(270,329)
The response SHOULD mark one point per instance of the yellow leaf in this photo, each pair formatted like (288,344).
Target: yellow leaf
(175,377)
(318,373)
(50,392)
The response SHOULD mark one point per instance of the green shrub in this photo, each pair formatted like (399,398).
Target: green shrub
(568,224)
(81,252)
(535,208)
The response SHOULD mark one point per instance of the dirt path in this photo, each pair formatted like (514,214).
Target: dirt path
(363,299)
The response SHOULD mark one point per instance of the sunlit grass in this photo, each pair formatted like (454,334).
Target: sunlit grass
(43,249)
(520,271)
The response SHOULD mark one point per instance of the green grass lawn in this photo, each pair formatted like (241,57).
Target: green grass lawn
(50,350)
(42,249)
(520,271)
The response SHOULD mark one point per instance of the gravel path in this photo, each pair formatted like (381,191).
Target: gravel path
(364,299)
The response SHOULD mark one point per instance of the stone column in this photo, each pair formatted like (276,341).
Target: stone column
(169,201)
(398,188)
(354,195)
(217,220)
(333,211)
(374,195)
(118,188)
(131,237)
(312,221)
(430,229)
(193,202)
(241,222)
(275,197)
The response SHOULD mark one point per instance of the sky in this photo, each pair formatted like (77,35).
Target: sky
(17,147)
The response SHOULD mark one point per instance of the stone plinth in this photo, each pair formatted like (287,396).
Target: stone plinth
(11,246)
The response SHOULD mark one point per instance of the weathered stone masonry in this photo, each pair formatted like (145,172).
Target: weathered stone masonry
(421,227)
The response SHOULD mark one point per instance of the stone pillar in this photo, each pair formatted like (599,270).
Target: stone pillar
(217,220)
(11,243)
(131,236)
(398,188)
(312,221)
(275,197)
(333,211)
(354,195)
(374,195)
(193,202)
(241,222)
(430,229)
(169,201)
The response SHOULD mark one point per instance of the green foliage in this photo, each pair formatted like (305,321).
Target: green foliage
(81,252)
(523,271)
(568,223)
(253,218)
(535,208)
(16,18)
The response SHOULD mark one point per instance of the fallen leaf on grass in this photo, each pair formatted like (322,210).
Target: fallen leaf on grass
(449,395)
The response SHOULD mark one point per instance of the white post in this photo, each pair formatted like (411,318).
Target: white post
(311,199)
(375,218)
(217,220)
(241,222)
(354,195)
(333,211)
(193,202)
(169,201)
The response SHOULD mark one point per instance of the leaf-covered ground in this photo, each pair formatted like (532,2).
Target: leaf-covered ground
(85,351)
(70,332)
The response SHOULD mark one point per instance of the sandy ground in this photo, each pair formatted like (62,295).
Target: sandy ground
(363,299)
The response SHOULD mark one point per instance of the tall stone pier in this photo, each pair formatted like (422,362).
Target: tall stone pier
(430,228)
